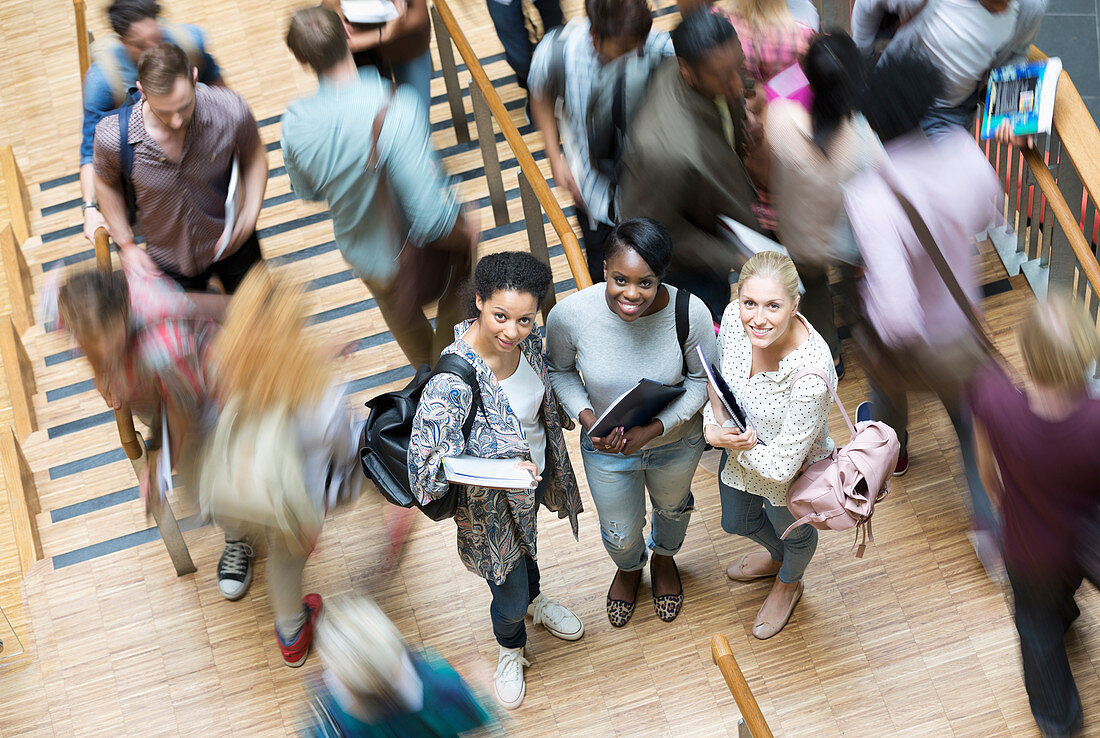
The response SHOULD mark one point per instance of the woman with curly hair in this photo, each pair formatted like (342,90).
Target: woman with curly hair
(517,418)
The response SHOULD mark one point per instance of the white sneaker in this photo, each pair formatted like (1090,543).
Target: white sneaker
(556,618)
(508,684)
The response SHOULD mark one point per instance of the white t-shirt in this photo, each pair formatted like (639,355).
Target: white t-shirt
(963,39)
(525,392)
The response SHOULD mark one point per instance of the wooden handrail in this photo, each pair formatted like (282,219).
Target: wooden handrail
(1077,130)
(722,655)
(577,264)
(1067,221)
(79,10)
(124,419)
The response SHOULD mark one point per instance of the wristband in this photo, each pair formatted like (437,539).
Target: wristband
(88,204)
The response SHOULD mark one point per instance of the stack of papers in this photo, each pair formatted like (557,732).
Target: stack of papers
(492,473)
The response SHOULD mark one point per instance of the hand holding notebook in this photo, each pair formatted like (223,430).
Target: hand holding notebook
(726,400)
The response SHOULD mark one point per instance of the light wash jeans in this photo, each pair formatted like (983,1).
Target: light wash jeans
(618,484)
(755,518)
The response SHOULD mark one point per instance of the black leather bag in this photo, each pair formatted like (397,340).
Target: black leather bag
(384,443)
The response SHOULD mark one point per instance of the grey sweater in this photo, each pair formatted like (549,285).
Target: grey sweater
(594,356)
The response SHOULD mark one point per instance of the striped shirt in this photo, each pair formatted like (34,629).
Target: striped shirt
(581,66)
(182,204)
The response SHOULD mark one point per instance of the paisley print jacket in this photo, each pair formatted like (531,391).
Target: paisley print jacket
(496,527)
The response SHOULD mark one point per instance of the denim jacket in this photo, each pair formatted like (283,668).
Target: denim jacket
(496,527)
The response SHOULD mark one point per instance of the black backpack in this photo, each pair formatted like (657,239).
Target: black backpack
(384,443)
(126,154)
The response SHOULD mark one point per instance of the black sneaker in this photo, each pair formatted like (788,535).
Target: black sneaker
(235,569)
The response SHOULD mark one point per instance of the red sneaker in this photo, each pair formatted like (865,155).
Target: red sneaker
(295,652)
(903,464)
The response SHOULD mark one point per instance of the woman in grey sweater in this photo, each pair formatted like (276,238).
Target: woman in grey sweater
(601,341)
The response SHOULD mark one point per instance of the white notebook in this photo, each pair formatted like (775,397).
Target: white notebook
(493,473)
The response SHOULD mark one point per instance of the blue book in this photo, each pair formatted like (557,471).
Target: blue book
(1023,95)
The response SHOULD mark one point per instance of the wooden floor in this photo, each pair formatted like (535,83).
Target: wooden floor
(910,640)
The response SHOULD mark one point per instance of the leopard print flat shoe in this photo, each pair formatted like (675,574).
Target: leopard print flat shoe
(619,612)
(668,606)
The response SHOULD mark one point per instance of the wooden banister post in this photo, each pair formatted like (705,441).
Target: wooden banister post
(722,655)
(23,504)
(19,280)
(450,77)
(20,376)
(15,191)
(490,157)
(536,233)
(82,38)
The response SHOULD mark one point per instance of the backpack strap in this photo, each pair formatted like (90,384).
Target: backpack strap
(126,153)
(464,370)
(933,250)
(813,371)
(682,303)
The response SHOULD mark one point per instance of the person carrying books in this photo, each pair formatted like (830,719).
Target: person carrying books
(601,342)
(518,418)
(763,342)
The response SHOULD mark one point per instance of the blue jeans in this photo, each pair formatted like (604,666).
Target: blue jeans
(511,29)
(1044,611)
(938,121)
(510,601)
(618,485)
(755,518)
(416,73)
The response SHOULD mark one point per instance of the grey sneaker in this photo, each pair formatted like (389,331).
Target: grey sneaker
(235,569)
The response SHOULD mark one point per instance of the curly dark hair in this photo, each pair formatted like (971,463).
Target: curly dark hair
(645,237)
(508,270)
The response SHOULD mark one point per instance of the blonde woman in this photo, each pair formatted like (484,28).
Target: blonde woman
(1036,452)
(762,343)
(281,450)
(374,684)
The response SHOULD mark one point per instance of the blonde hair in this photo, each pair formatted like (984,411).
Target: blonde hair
(765,13)
(360,646)
(1058,343)
(775,265)
(263,356)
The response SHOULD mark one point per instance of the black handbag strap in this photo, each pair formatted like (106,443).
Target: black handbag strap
(464,370)
(933,250)
(683,301)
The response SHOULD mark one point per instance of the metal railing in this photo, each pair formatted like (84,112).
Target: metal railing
(535,194)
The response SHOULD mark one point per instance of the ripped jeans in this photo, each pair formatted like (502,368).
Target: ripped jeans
(618,484)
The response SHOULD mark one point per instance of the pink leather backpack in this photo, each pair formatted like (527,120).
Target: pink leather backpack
(840,492)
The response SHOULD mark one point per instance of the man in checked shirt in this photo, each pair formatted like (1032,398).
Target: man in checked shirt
(184,137)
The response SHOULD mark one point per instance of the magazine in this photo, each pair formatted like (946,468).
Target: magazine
(1023,95)
(749,243)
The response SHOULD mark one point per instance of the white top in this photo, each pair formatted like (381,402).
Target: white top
(795,426)
(964,39)
(525,392)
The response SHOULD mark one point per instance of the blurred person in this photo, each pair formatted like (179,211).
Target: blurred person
(519,419)
(512,29)
(279,450)
(392,35)
(601,342)
(1036,449)
(681,166)
(137,26)
(375,684)
(814,153)
(804,11)
(914,333)
(611,30)
(773,42)
(185,137)
(386,200)
(148,343)
(763,342)
(964,39)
